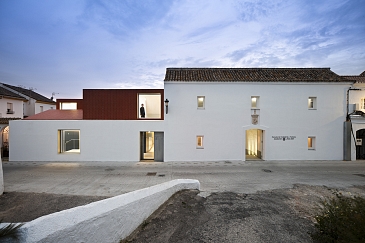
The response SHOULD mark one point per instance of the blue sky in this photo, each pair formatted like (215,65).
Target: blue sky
(65,46)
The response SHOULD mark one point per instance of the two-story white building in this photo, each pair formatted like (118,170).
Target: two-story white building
(204,114)
(17,103)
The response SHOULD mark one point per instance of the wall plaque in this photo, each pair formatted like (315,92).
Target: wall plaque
(283,138)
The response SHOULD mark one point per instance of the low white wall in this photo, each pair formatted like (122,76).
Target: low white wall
(108,220)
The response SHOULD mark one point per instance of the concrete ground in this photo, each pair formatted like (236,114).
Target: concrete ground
(114,178)
(239,201)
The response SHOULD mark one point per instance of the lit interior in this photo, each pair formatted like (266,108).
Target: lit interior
(253,102)
(69,106)
(200,102)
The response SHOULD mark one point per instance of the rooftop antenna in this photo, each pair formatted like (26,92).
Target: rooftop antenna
(30,92)
(54,94)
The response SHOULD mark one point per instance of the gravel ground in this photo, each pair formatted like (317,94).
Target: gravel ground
(282,215)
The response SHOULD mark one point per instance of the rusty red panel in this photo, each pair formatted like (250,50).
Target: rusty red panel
(115,104)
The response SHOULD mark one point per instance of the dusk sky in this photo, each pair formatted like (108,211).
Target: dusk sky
(65,46)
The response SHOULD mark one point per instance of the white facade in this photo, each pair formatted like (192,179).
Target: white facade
(107,140)
(283,112)
(15,106)
(207,121)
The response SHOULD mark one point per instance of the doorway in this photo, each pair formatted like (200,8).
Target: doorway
(254,144)
(360,144)
(151,146)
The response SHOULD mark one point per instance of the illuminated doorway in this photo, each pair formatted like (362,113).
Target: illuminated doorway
(152,145)
(254,144)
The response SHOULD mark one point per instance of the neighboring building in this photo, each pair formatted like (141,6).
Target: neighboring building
(213,114)
(17,103)
(35,103)
(356,115)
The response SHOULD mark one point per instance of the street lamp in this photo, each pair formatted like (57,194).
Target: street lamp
(167,105)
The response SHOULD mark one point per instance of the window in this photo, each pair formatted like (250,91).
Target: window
(9,108)
(41,108)
(68,106)
(255,102)
(362,104)
(312,103)
(199,142)
(311,143)
(201,102)
(149,106)
(69,141)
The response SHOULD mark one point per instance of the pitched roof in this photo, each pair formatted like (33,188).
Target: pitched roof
(57,115)
(5,120)
(357,79)
(252,75)
(362,74)
(30,93)
(8,93)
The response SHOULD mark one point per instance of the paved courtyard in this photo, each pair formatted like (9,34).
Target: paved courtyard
(114,178)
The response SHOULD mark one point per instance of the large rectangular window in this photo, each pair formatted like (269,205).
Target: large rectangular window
(68,106)
(149,106)
(69,141)
(201,102)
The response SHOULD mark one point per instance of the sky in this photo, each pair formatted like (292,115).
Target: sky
(64,46)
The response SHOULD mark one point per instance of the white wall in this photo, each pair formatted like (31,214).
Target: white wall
(45,107)
(112,140)
(227,115)
(17,107)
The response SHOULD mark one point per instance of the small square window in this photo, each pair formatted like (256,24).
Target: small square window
(311,143)
(255,102)
(312,103)
(199,142)
(69,141)
(201,102)
(10,108)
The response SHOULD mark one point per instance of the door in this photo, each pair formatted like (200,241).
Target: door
(254,144)
(152,146)
(360,144)
(159,146)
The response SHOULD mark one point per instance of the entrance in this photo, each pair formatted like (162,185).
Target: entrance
(5,142)
(360,144)
(254,144)
(152,144)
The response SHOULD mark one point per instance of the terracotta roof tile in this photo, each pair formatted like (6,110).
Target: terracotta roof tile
(57,115)
(357,79)
(252,75)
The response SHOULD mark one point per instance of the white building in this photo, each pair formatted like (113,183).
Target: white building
(214,114)
(17,103)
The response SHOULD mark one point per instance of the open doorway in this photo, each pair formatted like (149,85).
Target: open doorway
(360,144)
(254,144)
(152,146)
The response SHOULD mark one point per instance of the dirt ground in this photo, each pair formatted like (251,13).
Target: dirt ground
(282,215)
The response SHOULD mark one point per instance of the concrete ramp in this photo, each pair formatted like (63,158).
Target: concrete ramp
(108,220)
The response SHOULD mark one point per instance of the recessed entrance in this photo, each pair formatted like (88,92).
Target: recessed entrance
(254,144)
(360,144)
(152,144)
